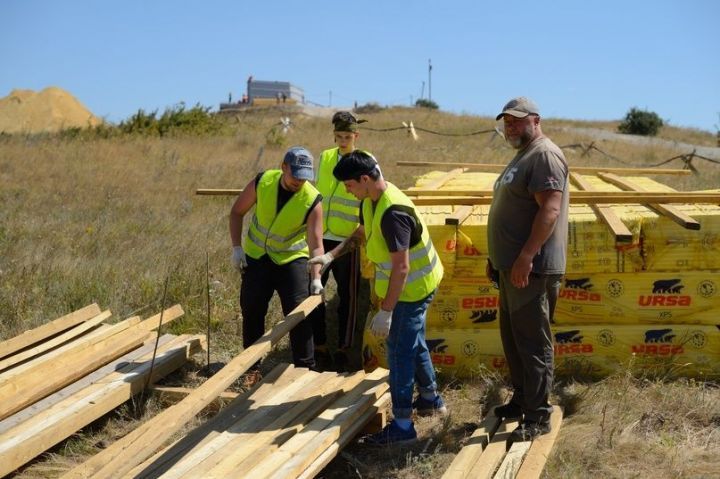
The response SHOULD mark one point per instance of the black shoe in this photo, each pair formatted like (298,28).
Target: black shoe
(529,430)
(323,360)
(342,363)
(508,411)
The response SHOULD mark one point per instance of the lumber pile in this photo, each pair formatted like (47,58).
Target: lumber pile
(642,288)
(289,425)
(61,376)
(486,455)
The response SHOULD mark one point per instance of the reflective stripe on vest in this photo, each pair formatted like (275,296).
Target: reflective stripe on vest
(341,209)
(279,234)
(426,269)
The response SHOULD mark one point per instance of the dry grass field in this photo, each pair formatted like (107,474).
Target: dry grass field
(108,220)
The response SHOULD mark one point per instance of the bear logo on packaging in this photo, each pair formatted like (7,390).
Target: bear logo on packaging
(658,342)
(484,316)
(580,283)
(659,336)
(665,292)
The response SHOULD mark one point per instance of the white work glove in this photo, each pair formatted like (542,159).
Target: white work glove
(380,324)
(323,260)
(316,286)
(238,258)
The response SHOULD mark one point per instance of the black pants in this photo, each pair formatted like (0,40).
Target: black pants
(346,271)
(260,280)
(525,316)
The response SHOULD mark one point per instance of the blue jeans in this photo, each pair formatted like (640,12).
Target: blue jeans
(408,355)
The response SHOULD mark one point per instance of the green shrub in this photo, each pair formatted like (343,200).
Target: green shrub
(424,103)
(371,107)
(175,120)
(641,122)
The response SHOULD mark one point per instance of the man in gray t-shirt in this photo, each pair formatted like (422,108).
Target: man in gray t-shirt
(527,242)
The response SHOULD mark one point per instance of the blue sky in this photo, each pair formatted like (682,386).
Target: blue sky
(577,59)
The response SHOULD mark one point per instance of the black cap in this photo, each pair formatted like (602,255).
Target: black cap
(355,164)
(345,121)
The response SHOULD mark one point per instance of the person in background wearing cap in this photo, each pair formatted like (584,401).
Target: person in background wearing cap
(527,243)
(407,273)
(341,213)
(284,230)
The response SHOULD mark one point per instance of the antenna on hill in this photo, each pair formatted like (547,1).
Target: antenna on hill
(429,79)
(422,91)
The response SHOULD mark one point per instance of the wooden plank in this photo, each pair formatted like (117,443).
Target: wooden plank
(347,435)
(28,338)
(540,449)
(493,454)
(512,461)
(178,393)
(618,197)
(23,390)
(492,167)
(103,332)
(68,335)
(245,454)
(206,432)
(605,213)
(241,450)
(135,447)
(663,209)
(296,454)
(202,458)
(470,453)
(85,381)
(442,180)
(459,215)
(580,195)
(32,437)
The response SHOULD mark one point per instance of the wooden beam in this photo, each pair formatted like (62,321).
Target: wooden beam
(141,443)
(490,167)
(442,180)
(470,453)
(178,393)
(346,436)
(40,333)
(619,197)
(243,451)
(68,335)
(41,381)
(459,215)
(540,449)
(605,213)
(663,209)
(634,194)
(171,455)
(32,437)
(493,454)
(512,461)
(81,383)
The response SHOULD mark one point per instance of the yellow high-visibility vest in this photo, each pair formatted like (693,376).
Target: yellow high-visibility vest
(340,208)
(426,270)
(281,235)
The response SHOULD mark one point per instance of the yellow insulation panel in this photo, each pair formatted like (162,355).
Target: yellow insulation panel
(673,350)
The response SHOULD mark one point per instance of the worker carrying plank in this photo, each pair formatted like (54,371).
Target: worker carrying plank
(407,273)
(285,229)
(341,213)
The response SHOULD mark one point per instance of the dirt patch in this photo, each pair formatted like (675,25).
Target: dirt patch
(52,109)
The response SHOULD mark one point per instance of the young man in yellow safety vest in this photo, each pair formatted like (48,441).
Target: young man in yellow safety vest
(407,273)
(341,212)
(273,256)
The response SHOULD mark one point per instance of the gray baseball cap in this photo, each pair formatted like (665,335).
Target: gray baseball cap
(519,107)
(300,161)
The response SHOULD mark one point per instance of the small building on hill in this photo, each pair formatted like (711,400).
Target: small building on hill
(262,92)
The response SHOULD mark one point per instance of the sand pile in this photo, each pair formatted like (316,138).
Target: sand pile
(52,109)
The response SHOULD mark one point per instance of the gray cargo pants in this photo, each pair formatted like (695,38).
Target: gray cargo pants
(525,316)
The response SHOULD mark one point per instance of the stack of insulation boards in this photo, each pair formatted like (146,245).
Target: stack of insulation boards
(61,376)
(289,425)
(651,302)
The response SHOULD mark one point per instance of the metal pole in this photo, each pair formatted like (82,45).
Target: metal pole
(429,80)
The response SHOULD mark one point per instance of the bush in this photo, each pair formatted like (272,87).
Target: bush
(641,122)
(423,103)
(371,107)
(176,120)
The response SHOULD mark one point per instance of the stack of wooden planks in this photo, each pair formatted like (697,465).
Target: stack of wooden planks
(61,376)
(486,455)
(289,425)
